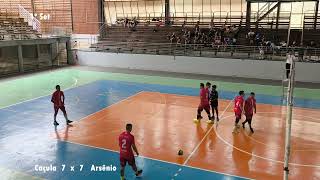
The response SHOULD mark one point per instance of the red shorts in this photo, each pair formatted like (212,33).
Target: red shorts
(124,160)
(56,109)
(206,107)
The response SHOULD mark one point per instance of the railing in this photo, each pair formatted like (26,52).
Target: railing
(32,21)
(305,54)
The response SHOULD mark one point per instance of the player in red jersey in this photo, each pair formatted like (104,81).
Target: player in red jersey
(249,107)
(126,144)
(238,109)
(204,102)
(58,103)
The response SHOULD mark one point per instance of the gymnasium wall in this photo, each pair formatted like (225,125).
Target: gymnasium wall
(59,16)
(85,16)
(273,70)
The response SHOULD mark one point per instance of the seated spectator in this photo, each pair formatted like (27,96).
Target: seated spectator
(126,22)
(197,26)
(211,25)
(312,44)
(250,37)
(173,37)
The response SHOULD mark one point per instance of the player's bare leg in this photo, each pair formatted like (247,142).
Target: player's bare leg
(216,109)
(199,117)
(212,117)
(243,124)
(210,120)
(122,173)
(66,116)
(251,129)
(235,129)
(55,117)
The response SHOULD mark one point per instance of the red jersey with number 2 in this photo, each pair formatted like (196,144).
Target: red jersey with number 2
(126,140)
(238,104)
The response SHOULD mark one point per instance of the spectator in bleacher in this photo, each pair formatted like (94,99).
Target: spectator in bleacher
(173,37)
(250,37)
(312,44)
(261,52)
(290,59)
(197,27)
(184,26)
(211,25)
(126,22)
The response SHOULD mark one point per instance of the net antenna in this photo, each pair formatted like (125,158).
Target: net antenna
(289,120)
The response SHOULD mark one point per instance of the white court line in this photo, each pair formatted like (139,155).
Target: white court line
(261,157)
(204,137)
(72,86)
(192,167)
(118,102)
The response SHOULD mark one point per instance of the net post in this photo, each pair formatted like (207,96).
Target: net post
(289,121)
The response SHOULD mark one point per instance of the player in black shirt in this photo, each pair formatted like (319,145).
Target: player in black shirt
(214,102)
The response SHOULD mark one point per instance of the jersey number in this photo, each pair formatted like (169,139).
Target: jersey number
(238,104)
(124,142)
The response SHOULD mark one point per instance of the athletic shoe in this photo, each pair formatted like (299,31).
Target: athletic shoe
(238,126)
(55,123)
(139,173)
(218,119)
(196,120)
(210,121)
(68,122)
(122,178)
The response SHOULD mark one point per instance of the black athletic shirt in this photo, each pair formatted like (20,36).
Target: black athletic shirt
(214,95)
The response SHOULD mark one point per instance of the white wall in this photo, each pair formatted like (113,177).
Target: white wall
(306,72)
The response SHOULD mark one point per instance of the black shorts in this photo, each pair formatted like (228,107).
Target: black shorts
(288,66)
(214,104)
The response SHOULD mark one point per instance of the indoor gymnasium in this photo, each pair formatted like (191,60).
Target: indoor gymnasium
(159,89)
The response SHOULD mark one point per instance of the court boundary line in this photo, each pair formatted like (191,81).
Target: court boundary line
(154,159)
(116,103)
(207,133)
(261,157)
(279,147)
(74,85)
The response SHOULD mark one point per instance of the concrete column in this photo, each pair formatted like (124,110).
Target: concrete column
(20,59)
(51,55)
(248,15)
(167,11)
(316,15)
(38,55)
(70,59)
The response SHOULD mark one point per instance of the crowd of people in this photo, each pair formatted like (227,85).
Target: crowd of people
(225,35)
(128,23)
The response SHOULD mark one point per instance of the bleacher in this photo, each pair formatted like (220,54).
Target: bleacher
(149,38)
(13,27)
